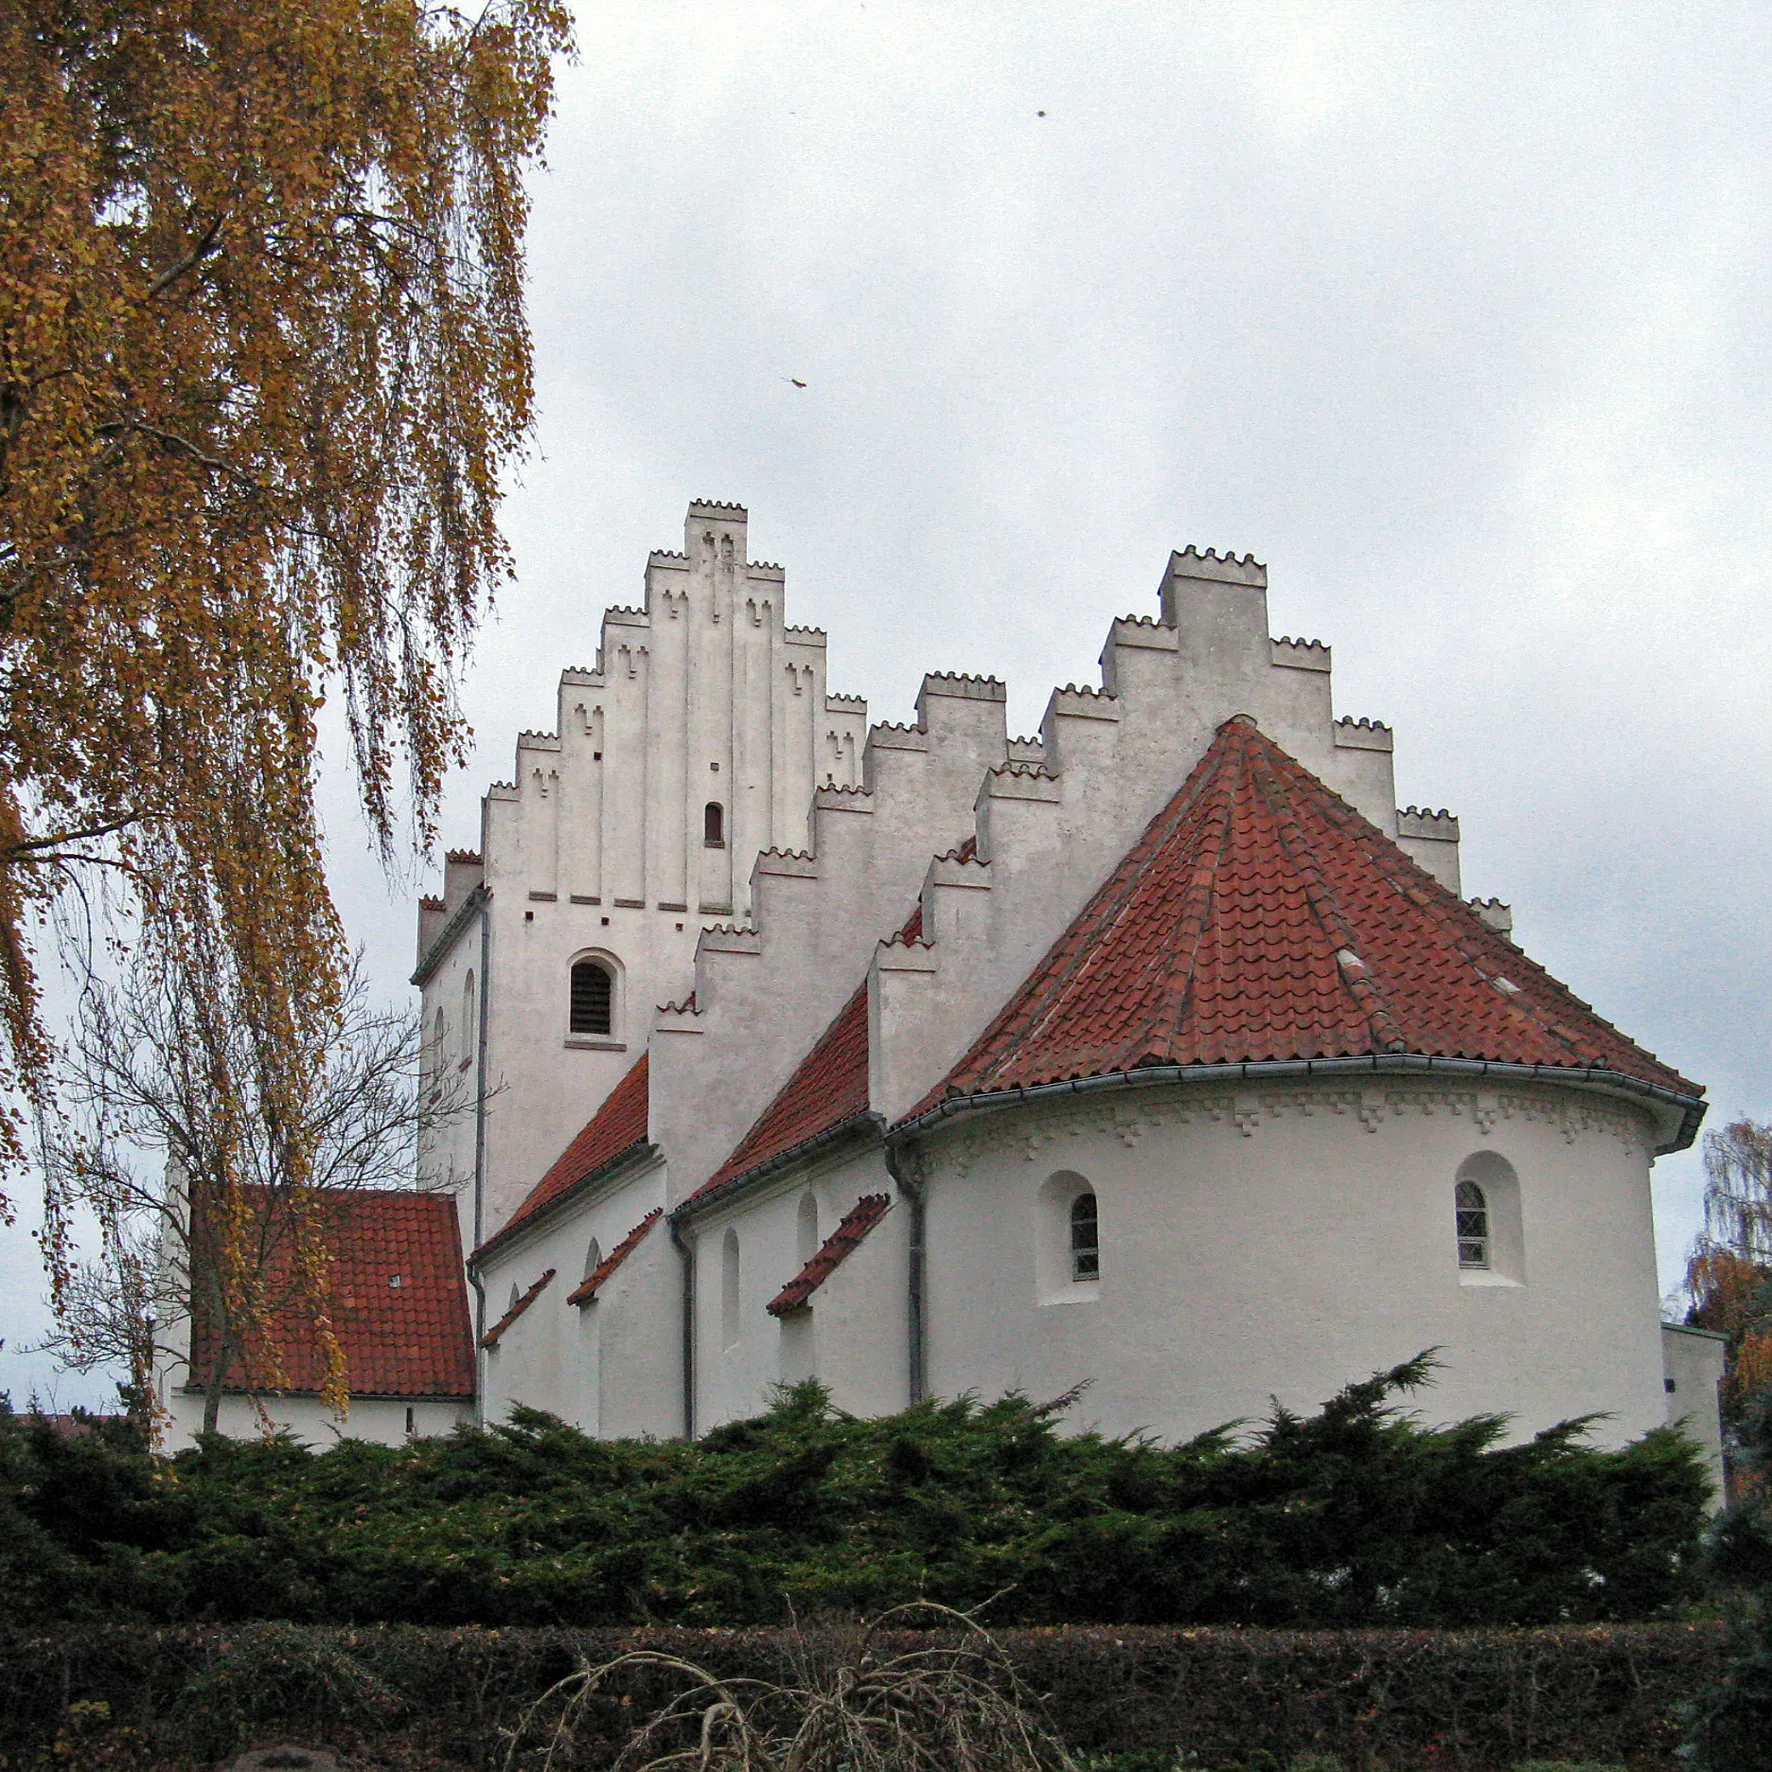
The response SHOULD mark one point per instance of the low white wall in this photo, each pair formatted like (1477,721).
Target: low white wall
(384,1421)
(852,1336)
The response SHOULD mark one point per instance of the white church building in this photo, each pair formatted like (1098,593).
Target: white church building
(1157,1053)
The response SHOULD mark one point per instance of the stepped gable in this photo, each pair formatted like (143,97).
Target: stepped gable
(1259,917)
(616,1128)
(395,1300)
(833,1252)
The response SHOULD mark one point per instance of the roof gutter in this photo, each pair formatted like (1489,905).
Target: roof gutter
(867,1119)
(544,1214)
(483,899)
(904,1163)
(1691,1107)
(686,1253)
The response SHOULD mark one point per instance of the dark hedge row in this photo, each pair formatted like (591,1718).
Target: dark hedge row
(404,1696)
(1356,1516)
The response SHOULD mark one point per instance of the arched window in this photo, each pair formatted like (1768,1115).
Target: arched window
(1472,1209)
(729,1290)
(806,1227)
(713,825)
(1085,1239)
(593,994)
(593,1258)
(511,1302)
(470,1025)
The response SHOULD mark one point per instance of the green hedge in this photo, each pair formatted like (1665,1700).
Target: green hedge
(1458,1700)
(1356,1516)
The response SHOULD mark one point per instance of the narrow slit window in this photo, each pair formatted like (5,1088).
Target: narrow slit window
(1473,1225)
(1085,1239)
(592,993)
(729,1290)
(713,825)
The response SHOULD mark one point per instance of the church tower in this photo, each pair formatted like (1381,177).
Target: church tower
(694,742)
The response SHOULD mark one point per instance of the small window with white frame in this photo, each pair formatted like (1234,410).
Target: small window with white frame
(1471,1207)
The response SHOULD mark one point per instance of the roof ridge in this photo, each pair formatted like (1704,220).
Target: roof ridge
(1033,1008)
(1356,978)
(1195,907)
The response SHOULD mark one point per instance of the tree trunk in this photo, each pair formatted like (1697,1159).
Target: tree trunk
(212,1385)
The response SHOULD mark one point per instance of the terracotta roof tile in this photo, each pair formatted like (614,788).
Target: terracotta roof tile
(829,1087)
(397,1303)
(1260,917)
(491,1337)
(617,1127)
(836,1249)
(587,1293)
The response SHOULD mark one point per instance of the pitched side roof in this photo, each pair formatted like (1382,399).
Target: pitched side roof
(396,1302)
(828,1089)
(616,1128)
(518,1307)
(587,1293)
(835,1250)
(1260,917)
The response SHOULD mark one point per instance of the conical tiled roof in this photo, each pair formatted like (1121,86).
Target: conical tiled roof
(1261,918)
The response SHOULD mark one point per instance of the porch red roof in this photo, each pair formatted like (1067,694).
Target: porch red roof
(397,1303)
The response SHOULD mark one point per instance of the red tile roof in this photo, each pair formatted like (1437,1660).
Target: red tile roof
(829,1088)
(518,1307)
(587,1293)
(1260,917)
(838,1246)
(616,1128)
(397,1303)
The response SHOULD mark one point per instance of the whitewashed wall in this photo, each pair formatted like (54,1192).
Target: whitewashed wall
(612,1367)
(596,847)
(851,1337)
(1282,1242)
(1692,1375)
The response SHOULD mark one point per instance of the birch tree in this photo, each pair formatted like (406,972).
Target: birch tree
(263,361)
(1729,1275)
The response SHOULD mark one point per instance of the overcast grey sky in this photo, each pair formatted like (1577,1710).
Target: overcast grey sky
(1456,316)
